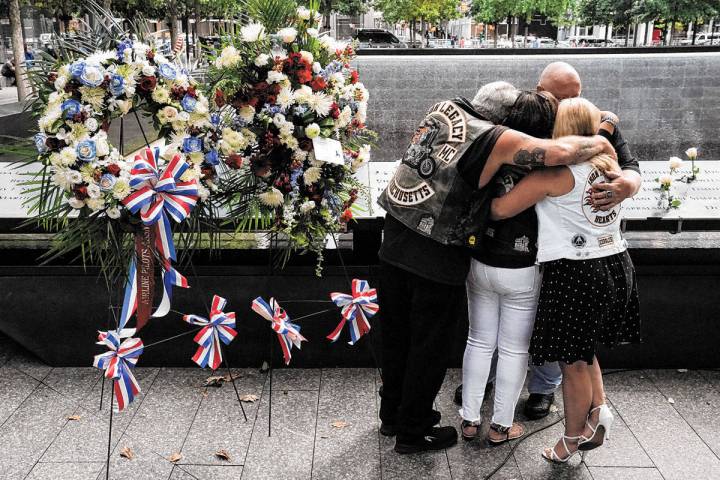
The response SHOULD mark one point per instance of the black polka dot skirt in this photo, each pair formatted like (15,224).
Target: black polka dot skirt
(583,303)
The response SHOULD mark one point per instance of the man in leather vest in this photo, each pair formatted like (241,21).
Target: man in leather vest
(453,154)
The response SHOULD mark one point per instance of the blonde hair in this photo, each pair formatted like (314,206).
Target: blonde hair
(578,116)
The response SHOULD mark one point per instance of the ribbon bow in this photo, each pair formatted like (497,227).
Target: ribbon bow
(220,327)
(119,362)
(355,309)
(288,333)
(157,196)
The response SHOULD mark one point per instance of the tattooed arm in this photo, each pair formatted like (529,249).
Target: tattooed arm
(519,149)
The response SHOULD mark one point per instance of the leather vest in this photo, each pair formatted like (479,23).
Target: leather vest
(427,193)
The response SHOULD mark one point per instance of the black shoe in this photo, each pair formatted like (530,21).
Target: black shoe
(457,398)
(436,438)
(390,429)
(538,405)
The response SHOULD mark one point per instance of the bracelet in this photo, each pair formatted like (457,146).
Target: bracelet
(610,120)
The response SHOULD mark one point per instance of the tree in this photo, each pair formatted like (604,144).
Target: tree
(18,47)
(342,7)
(414,10)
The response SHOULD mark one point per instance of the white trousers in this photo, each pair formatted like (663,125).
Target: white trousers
(501,307)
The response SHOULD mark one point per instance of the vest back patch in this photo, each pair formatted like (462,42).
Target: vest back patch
(409,196)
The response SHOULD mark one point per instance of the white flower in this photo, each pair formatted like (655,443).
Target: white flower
(203,193)
(312,175)
(299,155)
(307,206)
(303,13)
(247,113)
(76,203)
(337,78)
(675,163)
(167,114)
(691,153)
(316,67)
(121,189)
(262,60)
(148,70)
(288,34)
(60,178)
(362,158)
(285,98)
(68,156)
(161,94)
(74,177)
(60,83)
(312,130)
(276,77)
(361,114)
(91,124)
(93,191)
(96,204)
(345,117)
(313,32)
(320,103)
(303,94)
(252,32)
(328,43)
(272,198)
(317,16)
(307,56)
(229,57)
(665,180)
(113,212)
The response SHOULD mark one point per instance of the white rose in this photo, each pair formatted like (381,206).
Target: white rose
(102,147)
(303,13)
(275,77)
(312,130)
(307,56)
(665,180)
(691,153)
(252,32)
(313,32)
(675,163)
(288,34)
(262,60)
(113,212)
(316,67)
(93,191)
(148,70)
(76,203)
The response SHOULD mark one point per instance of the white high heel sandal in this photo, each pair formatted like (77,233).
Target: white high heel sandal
(554,457)
(605,421)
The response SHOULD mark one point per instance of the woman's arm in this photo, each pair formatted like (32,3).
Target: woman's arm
(531,189)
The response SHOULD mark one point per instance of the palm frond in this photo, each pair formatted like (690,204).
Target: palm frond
(274,14)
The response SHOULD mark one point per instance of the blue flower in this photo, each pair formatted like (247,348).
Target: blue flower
(40,144)
(212,157)
(107,182)
(70,108)
(188,103)
(122,46)
(215,119)
(86,151)
(92,76)
(192,144)
(117,85)
(300,110)
(168,71)
(77,68)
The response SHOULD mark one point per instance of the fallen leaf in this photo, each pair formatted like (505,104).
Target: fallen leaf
(671,401)
(175,457)
(235,376)
(215,381)
(553,408)
(74,417)
(223,454)
(340,424)
(127,453)
(249,398)
(682,370)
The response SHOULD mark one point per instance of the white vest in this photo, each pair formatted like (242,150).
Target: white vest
(569,227)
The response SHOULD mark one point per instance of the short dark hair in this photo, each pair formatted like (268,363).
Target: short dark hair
(533,113)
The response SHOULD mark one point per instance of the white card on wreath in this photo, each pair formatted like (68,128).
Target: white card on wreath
(328,150)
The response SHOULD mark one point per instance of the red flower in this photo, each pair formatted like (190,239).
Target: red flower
(304,75)
(261,86)
(318,83)
(253,102)
(52,76)
(234,161)
(354,76)
(191,91)
(178,92)
(219,98)
(113,169)
(150,55)
(294,58)
(147,84)
(81,192)
(346,216)
(334,110)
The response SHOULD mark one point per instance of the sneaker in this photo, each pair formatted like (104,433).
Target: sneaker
(435,438)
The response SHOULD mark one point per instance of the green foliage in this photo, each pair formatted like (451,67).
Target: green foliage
(428,10)
(274,14)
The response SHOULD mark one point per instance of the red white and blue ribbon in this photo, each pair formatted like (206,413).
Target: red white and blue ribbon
(288,333)
(119,362)
(220,328)
(355,310)
(159,196)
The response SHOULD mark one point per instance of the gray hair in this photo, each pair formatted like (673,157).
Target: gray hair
(495,100)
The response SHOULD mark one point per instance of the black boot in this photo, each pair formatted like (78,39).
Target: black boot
(457,398)
(538,405)
(435,438)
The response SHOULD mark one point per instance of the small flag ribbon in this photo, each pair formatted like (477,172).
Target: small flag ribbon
(355,310)
(119,362)
(288,333)
(220,328)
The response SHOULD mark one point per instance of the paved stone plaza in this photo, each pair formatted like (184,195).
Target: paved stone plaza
(324,427)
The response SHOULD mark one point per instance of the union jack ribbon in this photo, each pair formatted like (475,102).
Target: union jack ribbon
(119,362)
(355,310)
(220,328)
(288,333)
(159,196)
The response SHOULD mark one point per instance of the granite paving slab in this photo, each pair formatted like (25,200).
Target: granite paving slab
(669,441)
(29,364)
(352,451)
(146,464)
(219,423)
(288,453)
(621,473)
(73,383)
(16,387)
(62,471)
(295,379)
(30,430)
(206,472)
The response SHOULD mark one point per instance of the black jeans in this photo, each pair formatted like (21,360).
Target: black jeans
(419,319)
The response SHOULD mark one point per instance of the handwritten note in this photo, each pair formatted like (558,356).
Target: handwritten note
(328,150)
(11,198)
(376,176)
